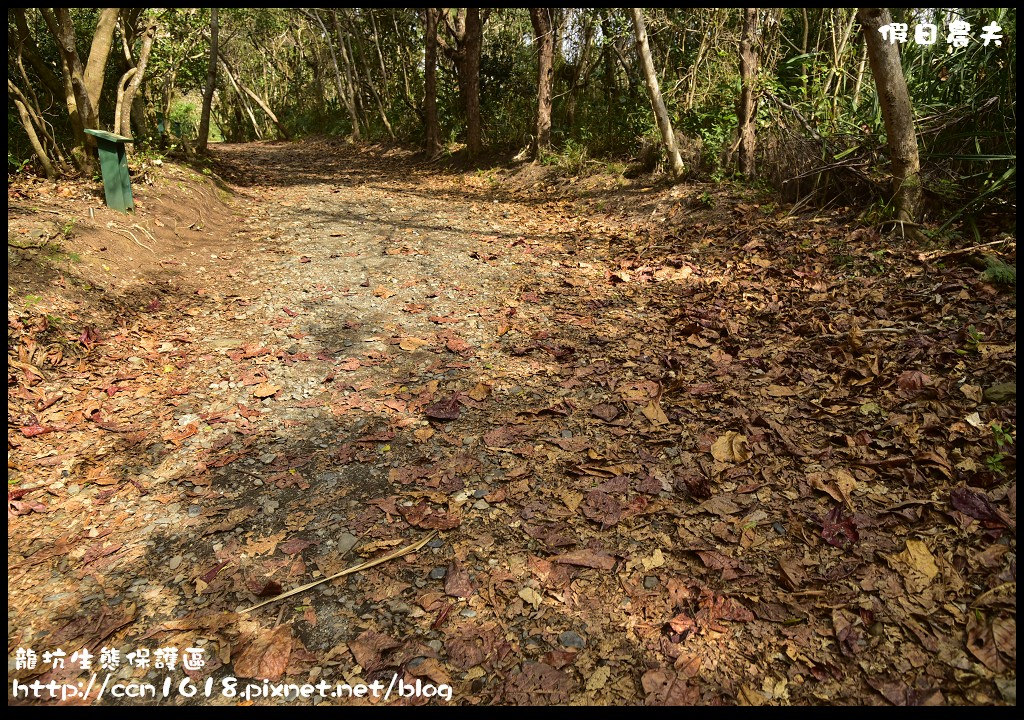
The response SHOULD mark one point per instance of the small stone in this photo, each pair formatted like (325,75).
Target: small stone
(481,505)
(1001,392)
(480,493)
(650,582)
(572,639)
(438,573)
(779,528)
(435,543)
(194,510)
(346,542)
(567,433)
(435,645)
(467,613)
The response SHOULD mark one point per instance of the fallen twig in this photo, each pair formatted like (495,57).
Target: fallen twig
(934,254)
(868,330)
(401,552)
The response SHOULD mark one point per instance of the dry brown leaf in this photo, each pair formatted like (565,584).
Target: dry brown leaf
(265,390)
(267,655)
(916,564)
(731,447)
(654,413)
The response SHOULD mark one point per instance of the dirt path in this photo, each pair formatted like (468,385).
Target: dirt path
(655,476)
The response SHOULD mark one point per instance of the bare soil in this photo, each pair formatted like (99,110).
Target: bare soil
(676,445)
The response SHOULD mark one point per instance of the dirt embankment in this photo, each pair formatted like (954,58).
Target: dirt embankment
(73,258)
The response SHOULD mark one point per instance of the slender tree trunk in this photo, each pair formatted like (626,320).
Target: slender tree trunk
(31,51)
(860,78)
(211,83)
(433,143)
(541,18)
(470,81)
(237,80)
(349,84)
(242,99)
(343,95)
(122,88)
(654,92)
(747,110)
(897,112)
(99,51)
(27,123)
(80,107)
(123,120)
(366,75)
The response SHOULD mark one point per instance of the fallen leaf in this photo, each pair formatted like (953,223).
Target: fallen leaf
(529,595)
(480,392)
(839,529)
(654,413)
(371,650)
(731,447)
(266,656)
(586,558)
(598,678)
(605,411)
(265,390)
(294,546)
(410,344)
(916,564)
(447,409)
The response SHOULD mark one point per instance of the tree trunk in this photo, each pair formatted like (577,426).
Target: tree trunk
(343,95)
(21,104)
(242,100)
(433,143)
(654,92)
(747,110)
(541,18)
(122,123)
(897,112)
(31,51)
(366,75)
(211,83)
(237,80)
(99,51)
(351,94)
(469,81)
(80,108)
(860,79)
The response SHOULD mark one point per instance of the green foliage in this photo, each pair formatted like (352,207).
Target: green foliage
(16,165)
(999,272)
(571,159)
(972,337)
(817,105)
(184,115)
(1004,444)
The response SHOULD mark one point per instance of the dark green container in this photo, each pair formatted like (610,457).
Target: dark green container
(117,185)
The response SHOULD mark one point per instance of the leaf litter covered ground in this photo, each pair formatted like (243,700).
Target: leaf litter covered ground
(677,447)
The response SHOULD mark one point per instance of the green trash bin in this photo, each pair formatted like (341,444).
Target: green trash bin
(117,185)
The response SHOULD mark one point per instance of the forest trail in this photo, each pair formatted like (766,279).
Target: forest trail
(674,447)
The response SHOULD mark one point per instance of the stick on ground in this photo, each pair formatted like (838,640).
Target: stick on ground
(401,552)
